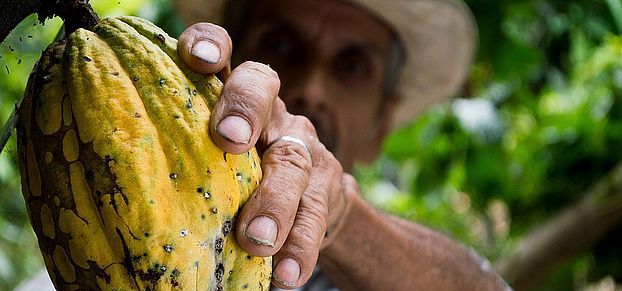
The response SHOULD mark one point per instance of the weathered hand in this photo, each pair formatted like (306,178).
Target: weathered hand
(303,192)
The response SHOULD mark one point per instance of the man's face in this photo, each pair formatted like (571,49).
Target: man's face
(331,58)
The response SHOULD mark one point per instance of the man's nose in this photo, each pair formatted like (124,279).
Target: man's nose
(309,94)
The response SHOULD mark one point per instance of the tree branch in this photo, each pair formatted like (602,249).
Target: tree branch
(569,233)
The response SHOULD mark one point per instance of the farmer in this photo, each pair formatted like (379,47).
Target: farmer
(355,70)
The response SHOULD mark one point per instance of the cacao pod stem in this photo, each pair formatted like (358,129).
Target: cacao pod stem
(7,130)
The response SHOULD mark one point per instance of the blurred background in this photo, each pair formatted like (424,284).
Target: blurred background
(524,165)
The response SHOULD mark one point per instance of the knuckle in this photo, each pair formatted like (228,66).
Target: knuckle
(305,124)
(288,155)
(313,212)
(262,70)
(276,202)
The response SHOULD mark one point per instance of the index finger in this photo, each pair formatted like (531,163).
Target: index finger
(205,48)
(244,107)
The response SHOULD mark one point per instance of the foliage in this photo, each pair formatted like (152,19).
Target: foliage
(541,123)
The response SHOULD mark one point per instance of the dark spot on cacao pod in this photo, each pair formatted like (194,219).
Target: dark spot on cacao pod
(248,257)
(153,274)
(146,234)
(218,273)
(245,286)
(161,38)
(109,161)
(194,92)
(214,210)
(168,248)
(137,115)
(162,81)
(86,59)
(116,74)
(135,79)
(176,116)
(224,156)
(173,176)
(89,174)
(218,245)
(226,227)
(203,216)
(173,276)
(200,190)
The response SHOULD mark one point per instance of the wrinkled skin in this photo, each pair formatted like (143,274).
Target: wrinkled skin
(330,57)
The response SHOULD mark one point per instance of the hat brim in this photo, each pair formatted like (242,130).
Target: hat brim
(439,37)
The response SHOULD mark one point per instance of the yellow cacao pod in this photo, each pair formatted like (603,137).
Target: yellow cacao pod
(124,188)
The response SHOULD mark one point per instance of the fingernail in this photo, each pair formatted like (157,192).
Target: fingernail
(262,231)
(206,51)
(287,272)
(235,129)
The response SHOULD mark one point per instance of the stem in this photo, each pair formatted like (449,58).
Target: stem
(7,130)
(75,13)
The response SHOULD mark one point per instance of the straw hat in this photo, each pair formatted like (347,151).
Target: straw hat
(439,37)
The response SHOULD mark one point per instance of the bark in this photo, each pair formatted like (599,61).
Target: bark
(569,233)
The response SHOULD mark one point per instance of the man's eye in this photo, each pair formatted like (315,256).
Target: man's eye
(277,44)
(354,66)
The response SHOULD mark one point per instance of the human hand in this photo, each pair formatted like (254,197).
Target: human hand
(303,192)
